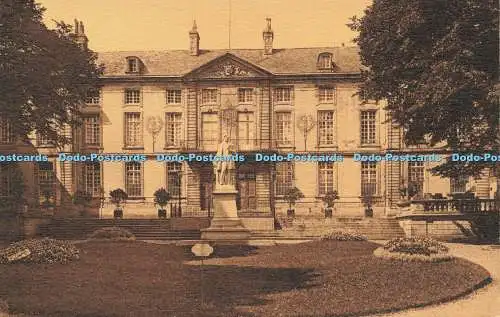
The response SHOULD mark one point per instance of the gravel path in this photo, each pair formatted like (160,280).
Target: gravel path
(482,303)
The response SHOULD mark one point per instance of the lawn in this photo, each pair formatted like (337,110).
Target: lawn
(323,278)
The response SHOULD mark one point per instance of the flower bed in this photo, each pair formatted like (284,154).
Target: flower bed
(39,251)
(414,249)
(112,233)
(342,235)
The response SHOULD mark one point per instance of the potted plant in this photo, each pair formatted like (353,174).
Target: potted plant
(47,201)
(117,197)
(291,196)
(82,199)
(412,190)
(329,200)
(161,199)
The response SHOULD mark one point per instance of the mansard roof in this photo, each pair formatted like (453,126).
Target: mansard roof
(178,63)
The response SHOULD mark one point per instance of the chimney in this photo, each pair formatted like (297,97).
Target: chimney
(194,39)
(268,36)
(79,35)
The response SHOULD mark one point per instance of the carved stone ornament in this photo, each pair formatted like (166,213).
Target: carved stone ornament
(228,70)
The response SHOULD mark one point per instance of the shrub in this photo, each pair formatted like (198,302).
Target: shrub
(118,196)
(414,249)
(342,235)
(292,195)
(415,245)
(162,197)
(112,233)
(41,251)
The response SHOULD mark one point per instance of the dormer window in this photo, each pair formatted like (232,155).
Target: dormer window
(133,64)
(325,61)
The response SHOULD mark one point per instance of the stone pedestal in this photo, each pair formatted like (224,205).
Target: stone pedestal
(225,224)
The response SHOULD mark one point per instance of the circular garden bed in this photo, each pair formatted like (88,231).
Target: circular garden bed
(321,278)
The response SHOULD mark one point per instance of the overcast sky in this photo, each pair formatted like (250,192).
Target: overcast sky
(164,24)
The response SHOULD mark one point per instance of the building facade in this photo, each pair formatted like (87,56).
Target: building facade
(270,102)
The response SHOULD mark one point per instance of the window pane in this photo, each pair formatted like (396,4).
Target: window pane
(210,131)
(326,177)
(92,135)
(133,129)
(209,96)
(174,178)
(173,129)
(368,127)
(174,96)
(245,95)
(133,179)
(246,130)
(416,175)
(368,178)
(92,178)
(284,134)
(6,135)
(132,96)
(326,127)
(284,177)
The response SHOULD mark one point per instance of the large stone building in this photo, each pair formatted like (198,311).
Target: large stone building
(269,100)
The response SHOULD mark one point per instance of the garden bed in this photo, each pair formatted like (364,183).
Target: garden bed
(320,278)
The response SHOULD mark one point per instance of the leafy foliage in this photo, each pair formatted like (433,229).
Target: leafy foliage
(330,198)
(112,233)
(45,76)
(118,196)
(15,199)
(415,245)
(41,251)
(436,63)
(162,197)
(341,235)
(292,195)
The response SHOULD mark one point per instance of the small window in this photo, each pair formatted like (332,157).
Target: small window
(133,65)
(93,97)
(132,96)
(245,95)
(326,94)
(283,94)
(174,96)
(325,61)
(209,96)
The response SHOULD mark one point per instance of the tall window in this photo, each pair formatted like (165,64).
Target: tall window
(284,133)
(326,127)
(174,96)
(209,131)
(173,129)
(92,132)
(132,96)
(174,178)
(93,97)
(46,179)
(92,178)
(133,129)
(416,175)
(458,184)
(368,127)
(369,178)
(283,94)
(209,96)
(133,179)
(284,177)
(326,94)
(326,177)
(6,135)
(5,180)
(245,95)
(246,130)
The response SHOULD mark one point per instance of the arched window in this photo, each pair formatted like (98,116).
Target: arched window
(325,61)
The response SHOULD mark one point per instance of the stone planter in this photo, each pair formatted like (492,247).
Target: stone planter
(118,213)
(162,213)
(328,212)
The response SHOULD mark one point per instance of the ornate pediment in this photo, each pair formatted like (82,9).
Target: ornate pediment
(228,66)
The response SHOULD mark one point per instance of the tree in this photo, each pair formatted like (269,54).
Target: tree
(45,76)
(436,63)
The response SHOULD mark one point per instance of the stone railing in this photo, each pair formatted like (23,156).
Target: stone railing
(456,205)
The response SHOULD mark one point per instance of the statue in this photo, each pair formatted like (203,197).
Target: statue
(223,167)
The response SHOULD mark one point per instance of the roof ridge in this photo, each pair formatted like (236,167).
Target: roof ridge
(227,50)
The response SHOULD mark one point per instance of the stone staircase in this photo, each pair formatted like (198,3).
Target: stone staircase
(313,227)
(143,229)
